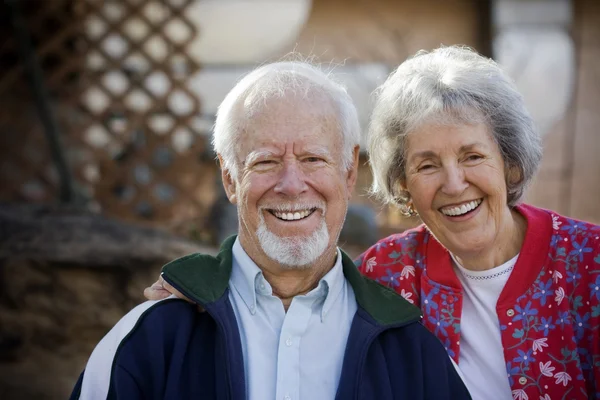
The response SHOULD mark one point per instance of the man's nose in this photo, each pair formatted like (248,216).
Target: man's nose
(454,181)
(292,181)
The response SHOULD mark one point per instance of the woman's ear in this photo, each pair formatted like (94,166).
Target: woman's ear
(400,185)
(229,183)
(513,175)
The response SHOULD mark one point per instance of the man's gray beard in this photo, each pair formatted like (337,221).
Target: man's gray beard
(294,252)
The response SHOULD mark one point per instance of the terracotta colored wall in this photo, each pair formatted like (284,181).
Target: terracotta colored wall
(385,30)
(388,31)
(569,178)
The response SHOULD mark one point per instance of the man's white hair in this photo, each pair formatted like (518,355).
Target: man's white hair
(277,80)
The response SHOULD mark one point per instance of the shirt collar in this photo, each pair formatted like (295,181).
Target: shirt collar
(244,276)
(248,280)
(334,280)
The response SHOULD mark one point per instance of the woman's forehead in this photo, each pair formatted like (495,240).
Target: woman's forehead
(433,138)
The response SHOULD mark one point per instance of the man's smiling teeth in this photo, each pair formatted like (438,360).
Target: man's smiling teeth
(462,209)
(292,216)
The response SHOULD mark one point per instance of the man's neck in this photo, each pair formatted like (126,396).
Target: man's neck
(288,282)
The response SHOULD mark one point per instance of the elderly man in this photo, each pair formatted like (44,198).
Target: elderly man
(288,316)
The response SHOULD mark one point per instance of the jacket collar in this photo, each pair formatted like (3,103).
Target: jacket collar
(205,279)
(531,258)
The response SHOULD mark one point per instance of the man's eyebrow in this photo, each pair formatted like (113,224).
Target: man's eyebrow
(256,155)
(319,151)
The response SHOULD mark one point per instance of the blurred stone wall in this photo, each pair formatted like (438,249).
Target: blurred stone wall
(66,277)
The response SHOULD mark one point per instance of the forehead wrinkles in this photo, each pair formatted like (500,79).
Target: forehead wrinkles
(311,111)
(479,134)
(302,115)
(313,150)
(310,98)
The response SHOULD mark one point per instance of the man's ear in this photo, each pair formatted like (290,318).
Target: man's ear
(352,172)
(229,183)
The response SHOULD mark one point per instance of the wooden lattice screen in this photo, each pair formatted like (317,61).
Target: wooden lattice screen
(118,74)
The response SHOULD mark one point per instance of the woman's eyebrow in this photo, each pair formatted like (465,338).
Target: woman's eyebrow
(422,154)
(469,147)
(431,154)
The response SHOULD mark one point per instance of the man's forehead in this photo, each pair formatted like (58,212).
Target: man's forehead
(310,101)
(279,121)
(259,152)
(273,125)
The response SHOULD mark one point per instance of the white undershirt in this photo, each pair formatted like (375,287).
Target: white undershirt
(481,358)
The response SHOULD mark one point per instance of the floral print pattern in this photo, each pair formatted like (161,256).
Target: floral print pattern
(550,328)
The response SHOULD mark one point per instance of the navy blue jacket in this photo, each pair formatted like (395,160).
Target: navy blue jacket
(168,350)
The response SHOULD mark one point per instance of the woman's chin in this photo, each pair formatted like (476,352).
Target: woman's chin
(469,245)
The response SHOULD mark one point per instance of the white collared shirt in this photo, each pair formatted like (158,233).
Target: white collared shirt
(481,358)
(296,355)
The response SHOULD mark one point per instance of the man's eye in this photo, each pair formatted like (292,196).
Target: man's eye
(313,159)
(263,164)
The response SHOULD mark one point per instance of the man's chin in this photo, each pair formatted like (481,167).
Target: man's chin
(294,252)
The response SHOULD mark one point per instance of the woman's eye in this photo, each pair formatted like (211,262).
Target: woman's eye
(425,167)
(474,157)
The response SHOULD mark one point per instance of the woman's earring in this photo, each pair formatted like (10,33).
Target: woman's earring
(408,209)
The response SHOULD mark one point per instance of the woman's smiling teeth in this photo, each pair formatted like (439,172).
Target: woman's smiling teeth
(462,209)
(292,216)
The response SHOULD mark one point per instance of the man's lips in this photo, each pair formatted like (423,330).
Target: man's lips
(292,215)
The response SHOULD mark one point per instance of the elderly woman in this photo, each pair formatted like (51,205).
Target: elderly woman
(511,290)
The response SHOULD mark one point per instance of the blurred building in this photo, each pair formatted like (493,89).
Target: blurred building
(134,86)
(108,105)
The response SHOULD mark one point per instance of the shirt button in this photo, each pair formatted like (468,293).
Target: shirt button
(288,343)
(287,398)
(510,312)
(522,380)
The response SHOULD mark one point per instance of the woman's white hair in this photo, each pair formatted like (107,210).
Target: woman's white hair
(277,80)
(449,86)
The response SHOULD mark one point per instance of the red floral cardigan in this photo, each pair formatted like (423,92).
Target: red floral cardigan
(549,310)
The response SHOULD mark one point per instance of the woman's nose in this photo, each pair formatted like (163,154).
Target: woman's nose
(454,181)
